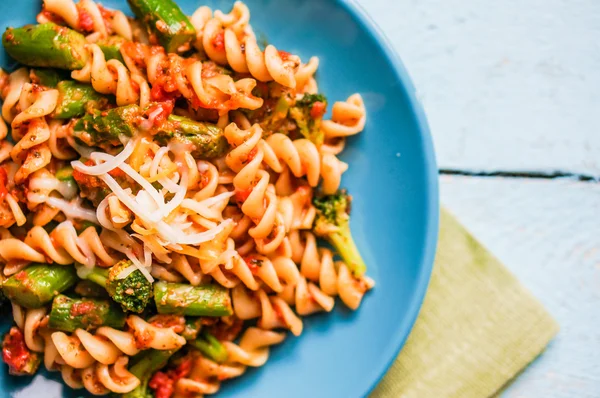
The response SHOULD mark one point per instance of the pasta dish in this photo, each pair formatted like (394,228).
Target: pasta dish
(170,197)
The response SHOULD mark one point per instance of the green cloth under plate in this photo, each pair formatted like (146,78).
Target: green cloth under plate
(478,327)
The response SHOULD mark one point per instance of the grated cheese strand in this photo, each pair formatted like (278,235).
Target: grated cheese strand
(73,209)
(110,162)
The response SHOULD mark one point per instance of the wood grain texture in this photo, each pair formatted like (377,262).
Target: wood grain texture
(546,232)
(506,85)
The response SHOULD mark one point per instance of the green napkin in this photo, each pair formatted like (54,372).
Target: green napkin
(478,327)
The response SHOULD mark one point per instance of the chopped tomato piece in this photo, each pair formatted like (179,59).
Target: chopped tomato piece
(318,110)
(159,112)
(86,23)
(163,382)
(253,263)
(242,195)
(252,154)
(162,385)
(16,355)
(158,93)
(52,17)
(219,41)
(3,182)
(284,55)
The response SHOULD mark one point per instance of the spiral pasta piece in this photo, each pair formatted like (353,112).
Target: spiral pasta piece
(347,118)
(101,379)
(333,278)
(63,246)
(301,156)
(12,93)
(32,150)
(108,77)
(200,83)
(245,159)
(150,336)
(192,192)
(82,349)
(253,348)
(228,39)
(103,22)
(331,172)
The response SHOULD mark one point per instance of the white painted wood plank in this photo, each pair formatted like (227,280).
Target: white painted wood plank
(508,84)
(547,232)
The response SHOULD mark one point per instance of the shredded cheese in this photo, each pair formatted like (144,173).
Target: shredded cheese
(73,209)
(110,162)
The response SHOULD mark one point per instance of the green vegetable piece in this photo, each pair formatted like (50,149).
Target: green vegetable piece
(212,348)
(165,19)
(65,174)
(332,222)
(45,77)
(105,127)
(47,45)
(74,99)
(37,284)
(133,292)
(144,366)
(111,47)
(20,359)
(89,289)
(309,125)
(183,299)
(205,140)
(69,314)
(193,325)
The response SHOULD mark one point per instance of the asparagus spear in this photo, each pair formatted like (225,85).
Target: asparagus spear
(148,362)
(212,348)
(45,77)
(89,289)
(75,98)
(111,47)
(69,314)
(105,127)
(205,140)
(165,19)
(37,284)
(182,299)
(47,45)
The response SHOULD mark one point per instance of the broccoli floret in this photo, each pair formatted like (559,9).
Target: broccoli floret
(272,116)
(307,114)
(133,292)
(144,366)
(332,223)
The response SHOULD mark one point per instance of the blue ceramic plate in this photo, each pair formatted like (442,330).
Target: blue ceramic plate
(393,178)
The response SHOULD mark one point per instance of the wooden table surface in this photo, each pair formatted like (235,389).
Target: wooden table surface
(513,88)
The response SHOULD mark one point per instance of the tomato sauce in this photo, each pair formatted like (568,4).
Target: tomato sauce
(318,110)
(14,351)
(86,23)
(218,41)
(241,195)
(82,308)
(3,182)
(163,383)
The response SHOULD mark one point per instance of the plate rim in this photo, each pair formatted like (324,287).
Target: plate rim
(368,24)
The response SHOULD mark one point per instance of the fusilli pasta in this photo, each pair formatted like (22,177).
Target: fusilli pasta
(177,182)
